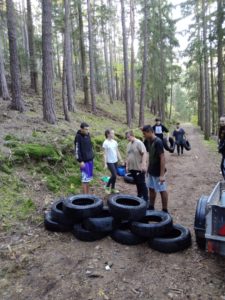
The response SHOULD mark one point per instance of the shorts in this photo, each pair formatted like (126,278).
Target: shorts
(87,172)
(154,183)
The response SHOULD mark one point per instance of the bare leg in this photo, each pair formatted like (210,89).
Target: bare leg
(85,188)
(152,196)
(164,197)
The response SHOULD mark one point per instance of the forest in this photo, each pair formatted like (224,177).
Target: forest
(125,50)
(115,64)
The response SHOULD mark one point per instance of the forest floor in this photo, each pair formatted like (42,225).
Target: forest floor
(37,264)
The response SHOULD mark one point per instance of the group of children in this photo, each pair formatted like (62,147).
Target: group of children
(145,161)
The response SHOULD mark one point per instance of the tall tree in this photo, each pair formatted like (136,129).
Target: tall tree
(220,64)
(206,74)
(144,68)
(68,57)
(83,55)
(3,84)
(47,66)
(17,102)
(125,62)
(91,57)
(132,31)
(33,66)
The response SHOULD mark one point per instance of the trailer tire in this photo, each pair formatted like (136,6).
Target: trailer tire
(58,215)
(187,145)
(168,147)
(200,218)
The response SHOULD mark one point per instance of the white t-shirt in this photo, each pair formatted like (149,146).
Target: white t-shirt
(110,147)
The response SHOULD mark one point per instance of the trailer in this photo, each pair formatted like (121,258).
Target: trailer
(210,220)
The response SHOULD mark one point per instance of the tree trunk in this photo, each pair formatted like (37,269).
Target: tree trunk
(144,69)
(83,55)
(33,67)
(3,84)
(64,93)
(206,74)
(125,61)
(68,58)
(17,102)
(91,58)
(132,28)
(111,24)
(47,67)
(220,63)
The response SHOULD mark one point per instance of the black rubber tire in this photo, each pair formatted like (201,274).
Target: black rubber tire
(85,235)
(128,178)
(200,219)
(127,207)
(168,147)
(145,229)
(58,215)
(177,240)
(124,236)
(104,222)
(53,225)
(187,145)
(80,207)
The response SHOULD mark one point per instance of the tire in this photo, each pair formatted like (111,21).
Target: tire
(85,235)
(177,240)
(187,145)
(128,178)
(127,207)
(168,147)
(104,222)
(80,207)
(124,236)
(53,225)
(200,219)
(162,227)
(58,215)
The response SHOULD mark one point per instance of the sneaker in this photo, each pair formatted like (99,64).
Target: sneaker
(114,191)
(107,190)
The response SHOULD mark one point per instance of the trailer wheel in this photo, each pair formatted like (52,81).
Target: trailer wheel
(199,225)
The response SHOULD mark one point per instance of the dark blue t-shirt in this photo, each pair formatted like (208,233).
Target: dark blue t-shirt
(179,135)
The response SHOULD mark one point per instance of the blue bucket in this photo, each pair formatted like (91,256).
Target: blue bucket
(121,170)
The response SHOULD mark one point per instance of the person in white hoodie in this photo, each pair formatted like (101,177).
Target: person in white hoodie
(111,157)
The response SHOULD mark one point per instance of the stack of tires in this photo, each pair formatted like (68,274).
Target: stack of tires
(126,219)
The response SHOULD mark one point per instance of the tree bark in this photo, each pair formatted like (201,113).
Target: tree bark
(132,29)
(83,55)
(144,69)
(206,74)
(220,63)
(3,84)
(91,58)
(68,58)
(47,66)
(17,102)
(125,61)
(33,66)
(64,93)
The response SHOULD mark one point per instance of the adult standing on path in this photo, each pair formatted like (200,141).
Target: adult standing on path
(179,135)
(84,154)
(136,164)
(159,128)
(111,157)
(156,169)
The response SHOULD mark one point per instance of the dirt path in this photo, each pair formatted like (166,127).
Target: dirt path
(43,265)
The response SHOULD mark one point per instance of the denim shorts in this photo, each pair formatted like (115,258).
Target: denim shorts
(87,172)
(154,183)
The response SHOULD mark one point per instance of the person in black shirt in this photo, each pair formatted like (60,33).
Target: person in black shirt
(84,155)
(159,128)
(222,144)
(179,135)
(156,167)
